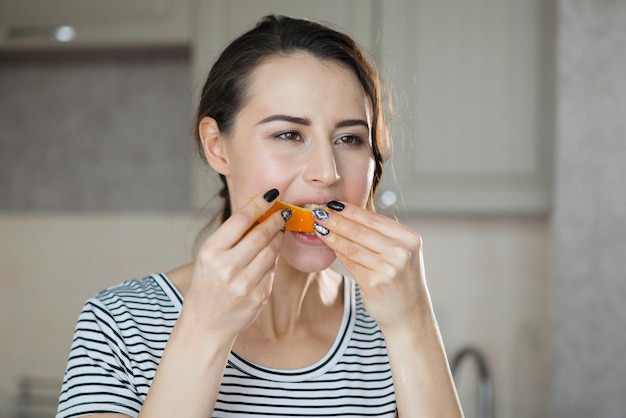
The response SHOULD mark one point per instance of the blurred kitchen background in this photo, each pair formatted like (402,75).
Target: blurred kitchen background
(510,161)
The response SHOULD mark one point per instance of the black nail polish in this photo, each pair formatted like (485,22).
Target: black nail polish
(322,230)
(336,206)
(320,214)
(286,214)
(271,195)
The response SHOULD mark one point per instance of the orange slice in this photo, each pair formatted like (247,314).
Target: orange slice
(301,219)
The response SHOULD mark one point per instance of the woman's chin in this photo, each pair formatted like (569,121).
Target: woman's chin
(305,258)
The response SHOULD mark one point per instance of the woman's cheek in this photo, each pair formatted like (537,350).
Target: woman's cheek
(264,172)
(358,177)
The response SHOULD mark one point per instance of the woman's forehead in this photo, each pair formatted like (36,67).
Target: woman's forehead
(303,81)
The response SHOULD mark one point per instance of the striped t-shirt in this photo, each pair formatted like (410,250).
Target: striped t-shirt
(121,334)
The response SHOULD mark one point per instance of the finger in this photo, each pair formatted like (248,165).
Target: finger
(368,269)
(263,259)
(333,226)
(260,239)
(259,236)
(353,253)
(372,220)
(253,282)
(350,238)
(240,222)
(364,245)
(265,282)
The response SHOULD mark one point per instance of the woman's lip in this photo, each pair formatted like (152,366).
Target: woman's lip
(308,239)
(313,201)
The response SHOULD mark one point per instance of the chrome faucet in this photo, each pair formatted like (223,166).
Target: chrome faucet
(485,387)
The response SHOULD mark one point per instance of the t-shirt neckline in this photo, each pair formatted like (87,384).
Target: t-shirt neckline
(279,375)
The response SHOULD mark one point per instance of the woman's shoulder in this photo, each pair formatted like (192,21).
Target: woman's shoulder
(148,293)
(131,308)
(131,288)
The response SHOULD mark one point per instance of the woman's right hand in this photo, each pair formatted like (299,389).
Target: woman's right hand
(234,271)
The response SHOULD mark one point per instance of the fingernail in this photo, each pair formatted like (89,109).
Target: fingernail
(322,230)
(320,214)
(283,229)
(336,206)
(271,195)
(286,214)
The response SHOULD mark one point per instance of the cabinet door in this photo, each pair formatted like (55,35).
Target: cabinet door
(93,23)
(218,22)
(474,107)
(472,84)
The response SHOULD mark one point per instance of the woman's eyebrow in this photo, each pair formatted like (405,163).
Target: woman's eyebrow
(352,122)
(287,118)
(307,122)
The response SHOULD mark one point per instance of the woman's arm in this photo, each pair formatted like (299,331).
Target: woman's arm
(385,258)
(231,280)
(232,277)
(421,375)
(187,380)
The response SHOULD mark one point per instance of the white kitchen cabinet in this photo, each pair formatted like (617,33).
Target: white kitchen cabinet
(473,112)
(45,24)
(219,22)
(474,105)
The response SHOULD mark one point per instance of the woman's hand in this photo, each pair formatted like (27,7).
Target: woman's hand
(234,270)
(385,258)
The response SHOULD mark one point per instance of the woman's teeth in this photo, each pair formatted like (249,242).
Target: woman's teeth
(313,206)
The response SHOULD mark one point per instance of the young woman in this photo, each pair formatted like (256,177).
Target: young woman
(259,324)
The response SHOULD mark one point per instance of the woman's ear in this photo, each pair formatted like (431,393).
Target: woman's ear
(213,145)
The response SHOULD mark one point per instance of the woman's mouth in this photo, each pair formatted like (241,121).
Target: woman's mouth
(297,218)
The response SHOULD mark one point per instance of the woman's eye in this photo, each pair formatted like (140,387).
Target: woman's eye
(289,136)
(349,140)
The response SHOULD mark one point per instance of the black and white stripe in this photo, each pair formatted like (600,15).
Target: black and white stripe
(121,334)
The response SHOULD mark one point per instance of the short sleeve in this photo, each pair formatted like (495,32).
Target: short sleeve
(98,377)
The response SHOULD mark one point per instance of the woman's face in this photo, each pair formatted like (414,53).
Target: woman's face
(305,129)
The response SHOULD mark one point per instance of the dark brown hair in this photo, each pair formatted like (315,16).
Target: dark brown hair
(225,90)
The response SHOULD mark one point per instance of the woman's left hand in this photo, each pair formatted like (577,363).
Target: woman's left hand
(385,259)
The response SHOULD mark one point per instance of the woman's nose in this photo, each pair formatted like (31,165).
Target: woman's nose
(321,166)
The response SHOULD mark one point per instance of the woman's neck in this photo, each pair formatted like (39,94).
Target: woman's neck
(298,298)
(298,324)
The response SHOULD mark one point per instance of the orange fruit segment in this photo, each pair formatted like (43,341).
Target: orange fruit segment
(301,219)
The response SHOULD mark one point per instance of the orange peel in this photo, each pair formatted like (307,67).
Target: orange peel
(301,219)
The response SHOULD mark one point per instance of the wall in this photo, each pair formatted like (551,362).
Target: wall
(491,283)
(51,262)
(95,131)
(95,188)
(590,211)
(490,278)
